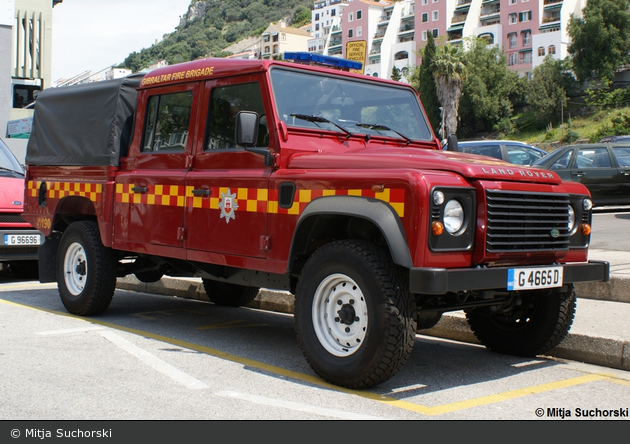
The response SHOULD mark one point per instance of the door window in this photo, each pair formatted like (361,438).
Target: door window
(167,122)
(225,103)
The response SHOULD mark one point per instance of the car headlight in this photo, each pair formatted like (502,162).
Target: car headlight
(587,204)
(571,219)
(453,217)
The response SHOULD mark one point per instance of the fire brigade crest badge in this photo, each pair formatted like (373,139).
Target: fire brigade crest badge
(228,206)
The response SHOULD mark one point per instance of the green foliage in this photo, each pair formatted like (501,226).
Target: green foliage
(423,80)
(547,91)
(225,22)
(396,75)
(489,89)
(600,40)
(607,97)
(449,71)
(619,126)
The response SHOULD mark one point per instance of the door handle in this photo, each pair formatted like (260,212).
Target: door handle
(579,174)
(139,189)
(626,173)
(201,192)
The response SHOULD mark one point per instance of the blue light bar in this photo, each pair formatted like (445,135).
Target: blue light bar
(318,59)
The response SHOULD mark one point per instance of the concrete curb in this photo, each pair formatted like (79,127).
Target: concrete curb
(608,352)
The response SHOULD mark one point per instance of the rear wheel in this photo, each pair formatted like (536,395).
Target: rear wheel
(533,326)
(86,270)
(353,314)
(229,295)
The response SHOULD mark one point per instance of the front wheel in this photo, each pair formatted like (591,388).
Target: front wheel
(353,314)
(86,270)
(533,326)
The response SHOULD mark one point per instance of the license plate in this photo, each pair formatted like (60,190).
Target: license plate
(22,239)
(534,278)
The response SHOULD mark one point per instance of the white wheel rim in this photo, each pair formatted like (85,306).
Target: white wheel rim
(75,269)
(340,315)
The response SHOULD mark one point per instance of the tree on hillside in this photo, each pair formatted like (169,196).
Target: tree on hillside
(547,91)
(423,81)
(489,87)
(449,72)
(600,40)
(396,74)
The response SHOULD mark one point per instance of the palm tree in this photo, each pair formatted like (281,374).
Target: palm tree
(449,71)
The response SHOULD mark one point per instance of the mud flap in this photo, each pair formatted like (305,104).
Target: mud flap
(48,258)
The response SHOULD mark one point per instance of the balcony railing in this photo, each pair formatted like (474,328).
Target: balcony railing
(464,2)
(550,19)
(458,19)
(490,11)
(551,2)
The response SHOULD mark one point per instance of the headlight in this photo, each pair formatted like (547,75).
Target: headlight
(571,219)
(587,204)
(453,217)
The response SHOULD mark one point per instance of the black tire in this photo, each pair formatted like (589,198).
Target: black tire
(148,277)
(86,270)
(538,325)
(229,295)
(354,315)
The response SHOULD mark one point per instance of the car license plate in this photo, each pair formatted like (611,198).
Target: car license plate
(534,278)
(22,239)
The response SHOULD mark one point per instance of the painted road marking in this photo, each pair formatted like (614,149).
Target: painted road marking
(311,379)
(290,405)
(69,331)
(154,362)
(229,324)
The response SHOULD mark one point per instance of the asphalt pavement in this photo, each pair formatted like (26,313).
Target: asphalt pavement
(600,333)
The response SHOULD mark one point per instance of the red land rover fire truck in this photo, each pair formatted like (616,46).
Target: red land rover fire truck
(324,183)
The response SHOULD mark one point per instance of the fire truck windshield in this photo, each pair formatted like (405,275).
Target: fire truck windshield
(345,104)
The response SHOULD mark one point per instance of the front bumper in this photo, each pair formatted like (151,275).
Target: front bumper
(23,252)
(442,280)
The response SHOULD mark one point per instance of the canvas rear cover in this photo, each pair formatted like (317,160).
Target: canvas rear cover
(83,125)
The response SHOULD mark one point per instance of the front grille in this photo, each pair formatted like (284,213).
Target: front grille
(6,251)
(526,221)
(13,218)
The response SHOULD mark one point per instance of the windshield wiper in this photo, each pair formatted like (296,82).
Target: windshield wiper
(379,127)
(319,119)
(10,170)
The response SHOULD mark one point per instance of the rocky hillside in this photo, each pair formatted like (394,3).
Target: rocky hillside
(210,26)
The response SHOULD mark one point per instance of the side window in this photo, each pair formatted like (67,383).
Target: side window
(593,158)
(563,161)
(167,122)
(623,156)
(491,151)
(225,103)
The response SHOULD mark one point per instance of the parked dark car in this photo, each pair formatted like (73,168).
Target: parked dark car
(518,153)
(614,139)
(603,167)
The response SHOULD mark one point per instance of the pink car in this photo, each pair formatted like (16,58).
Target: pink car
(19,241)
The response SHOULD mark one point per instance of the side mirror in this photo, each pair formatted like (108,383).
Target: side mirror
(246,128)
(451,144)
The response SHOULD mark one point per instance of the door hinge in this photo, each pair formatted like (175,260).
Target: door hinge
(181,233)
(265,243)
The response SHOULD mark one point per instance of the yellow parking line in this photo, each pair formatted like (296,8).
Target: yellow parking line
(405,405)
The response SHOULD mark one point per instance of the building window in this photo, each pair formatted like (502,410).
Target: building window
(435,33)
(350,17)
(333,13)
(512,18)
(424,36)
(316,26)
(435,16)
(513,2)
(512,39)
(541,51)
(513,59)
(359,15)
(359,31)
(527,37)
(350,32)
(425,17)
(524,16)
(425,2)
(317,16)
(552,49)
(267,49)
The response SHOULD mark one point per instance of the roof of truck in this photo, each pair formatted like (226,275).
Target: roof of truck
(206,69)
